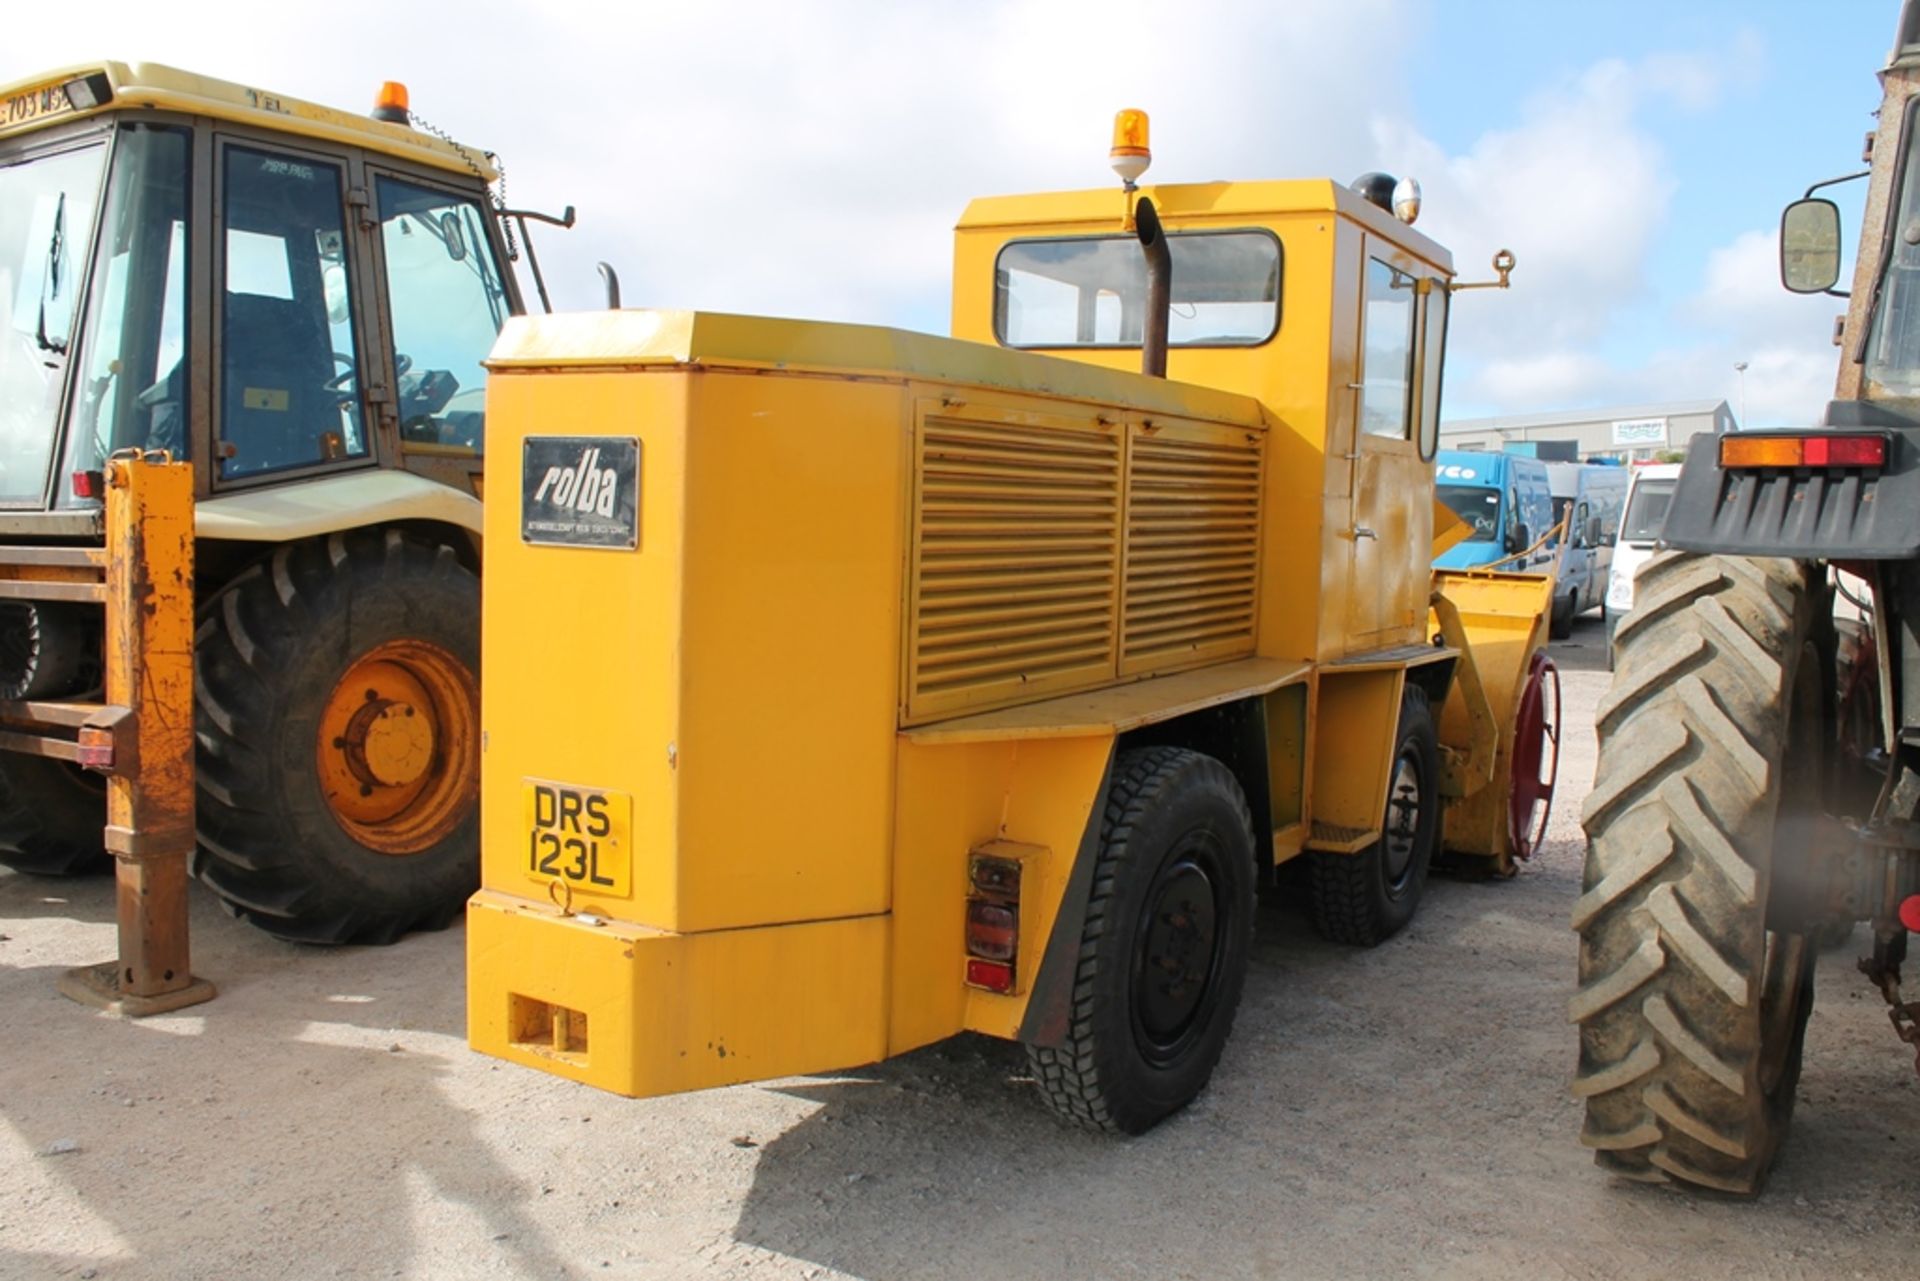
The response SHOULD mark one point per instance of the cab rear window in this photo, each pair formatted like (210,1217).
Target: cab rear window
(1091,291)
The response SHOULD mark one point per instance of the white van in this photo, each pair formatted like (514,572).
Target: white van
(1649,490)
(1588,498)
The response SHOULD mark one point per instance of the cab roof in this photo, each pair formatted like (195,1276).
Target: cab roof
(1201,203)
(95,88)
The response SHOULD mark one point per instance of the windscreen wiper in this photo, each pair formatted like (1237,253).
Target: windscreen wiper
(51,282)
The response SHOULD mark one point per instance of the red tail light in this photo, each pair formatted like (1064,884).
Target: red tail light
(995,976)
(993,923)
(1820,450)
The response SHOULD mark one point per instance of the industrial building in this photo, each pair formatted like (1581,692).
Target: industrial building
(1629,433)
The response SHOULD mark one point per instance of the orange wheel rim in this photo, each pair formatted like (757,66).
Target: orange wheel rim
(398,747)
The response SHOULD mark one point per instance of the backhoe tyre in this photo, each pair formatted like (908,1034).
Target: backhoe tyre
(1366,898)
(1163,953)
(338,719)
(1692,1011)
(52,816)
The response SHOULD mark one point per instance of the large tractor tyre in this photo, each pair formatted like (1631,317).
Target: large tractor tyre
(338,719)
(1692,1005)
(1163,954)
(52,818)
(1366,898)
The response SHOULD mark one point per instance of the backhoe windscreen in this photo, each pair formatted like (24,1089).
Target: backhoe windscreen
(47,208)
(1091,291)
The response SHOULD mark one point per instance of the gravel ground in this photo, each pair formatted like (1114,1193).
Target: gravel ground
(1396,1112)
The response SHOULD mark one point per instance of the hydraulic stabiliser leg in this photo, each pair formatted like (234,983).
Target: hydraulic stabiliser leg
(149,732)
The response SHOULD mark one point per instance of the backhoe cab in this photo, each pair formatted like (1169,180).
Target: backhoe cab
(292,303)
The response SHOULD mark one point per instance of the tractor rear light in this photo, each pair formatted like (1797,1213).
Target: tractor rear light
(993,931)
(89,484)
(95,749)
(1822,450)
(995,976)
(1910,913)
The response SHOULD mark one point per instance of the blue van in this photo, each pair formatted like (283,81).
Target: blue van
(1504,498)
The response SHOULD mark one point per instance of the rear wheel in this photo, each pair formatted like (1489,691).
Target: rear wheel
(52,817)
(1368,897)
(338,718)
(1163,954)
(1693,1003)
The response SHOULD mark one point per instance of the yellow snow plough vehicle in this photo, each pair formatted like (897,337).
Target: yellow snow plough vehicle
(849,688)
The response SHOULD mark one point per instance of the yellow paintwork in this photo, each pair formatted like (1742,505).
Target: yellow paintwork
(151,86)
(895,600)
(1503,617)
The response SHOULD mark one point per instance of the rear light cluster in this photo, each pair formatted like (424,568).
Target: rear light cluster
(1820,450)
(993,923)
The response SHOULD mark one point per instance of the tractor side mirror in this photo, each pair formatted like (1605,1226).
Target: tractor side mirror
(1810,246)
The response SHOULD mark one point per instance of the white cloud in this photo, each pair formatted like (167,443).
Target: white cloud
(811,159)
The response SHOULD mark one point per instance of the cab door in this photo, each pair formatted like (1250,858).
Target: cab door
(292,386)
(1392,495)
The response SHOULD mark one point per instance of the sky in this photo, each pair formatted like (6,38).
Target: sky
(810,159)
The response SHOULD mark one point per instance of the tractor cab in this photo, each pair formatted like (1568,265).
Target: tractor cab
(275,290)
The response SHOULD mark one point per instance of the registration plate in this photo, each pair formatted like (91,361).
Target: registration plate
(579,837)
(37,103)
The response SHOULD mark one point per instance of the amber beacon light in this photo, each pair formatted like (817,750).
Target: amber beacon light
(390,104)
(1130,154)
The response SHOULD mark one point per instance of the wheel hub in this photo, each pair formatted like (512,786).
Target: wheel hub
(387,744)
(1182,925)
(1403,819)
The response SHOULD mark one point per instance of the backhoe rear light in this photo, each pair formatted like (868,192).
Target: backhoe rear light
(89,484)
(1822,450)
(1910,912)
(94,749)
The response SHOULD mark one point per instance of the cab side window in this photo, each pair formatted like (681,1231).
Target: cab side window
(447,303)
(1386,395)
(288,375)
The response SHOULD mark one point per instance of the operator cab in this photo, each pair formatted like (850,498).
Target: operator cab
(273,289)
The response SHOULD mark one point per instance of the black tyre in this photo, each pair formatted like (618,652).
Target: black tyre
(1693,1003)
(1560,621)
(1163,955)
(52,817)
(338,725)
(1366,898)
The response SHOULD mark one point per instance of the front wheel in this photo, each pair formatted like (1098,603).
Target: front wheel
(1366,898)
(339,728)
(1163,955)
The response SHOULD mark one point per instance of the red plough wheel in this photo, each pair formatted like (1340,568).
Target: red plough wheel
(1536,757)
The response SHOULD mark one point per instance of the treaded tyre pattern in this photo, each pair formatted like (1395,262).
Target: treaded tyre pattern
(270,648)
(52,818)
(1692,1014)
(1355,897)
(1105,1077)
